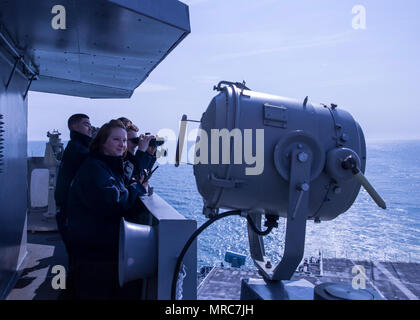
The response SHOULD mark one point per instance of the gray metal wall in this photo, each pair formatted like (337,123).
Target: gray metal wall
(13,173)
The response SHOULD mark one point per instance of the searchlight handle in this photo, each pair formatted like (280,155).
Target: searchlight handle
(350,163)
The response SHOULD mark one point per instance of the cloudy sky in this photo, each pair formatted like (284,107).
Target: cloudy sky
(283,47)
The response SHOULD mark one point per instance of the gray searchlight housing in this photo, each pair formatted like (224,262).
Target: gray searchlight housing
(265,154)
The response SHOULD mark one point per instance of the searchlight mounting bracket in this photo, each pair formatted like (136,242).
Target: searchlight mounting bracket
(299,179)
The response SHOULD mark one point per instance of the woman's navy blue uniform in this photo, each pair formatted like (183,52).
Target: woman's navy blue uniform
(134,165)
(98,199)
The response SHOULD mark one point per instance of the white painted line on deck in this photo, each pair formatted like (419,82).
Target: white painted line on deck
(207,276)
(321,263)
(29,291)
(395,281)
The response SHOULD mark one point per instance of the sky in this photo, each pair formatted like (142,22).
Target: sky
(283,47)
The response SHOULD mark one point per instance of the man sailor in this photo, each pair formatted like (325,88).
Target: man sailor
(74,155)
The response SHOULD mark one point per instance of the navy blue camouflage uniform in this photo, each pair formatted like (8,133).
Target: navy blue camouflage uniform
(99,197)
(74,155)
(136,165)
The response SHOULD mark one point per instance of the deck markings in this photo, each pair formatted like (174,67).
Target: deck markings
(37,274)
(395,281)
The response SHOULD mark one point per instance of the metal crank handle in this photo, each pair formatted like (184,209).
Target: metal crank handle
(302,189)
(350,163)
(370,189)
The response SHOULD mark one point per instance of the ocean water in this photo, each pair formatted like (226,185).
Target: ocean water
(364,232)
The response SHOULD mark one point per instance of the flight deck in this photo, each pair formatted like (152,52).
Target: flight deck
(392,280)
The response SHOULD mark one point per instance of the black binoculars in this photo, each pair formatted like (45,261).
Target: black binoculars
(152,143)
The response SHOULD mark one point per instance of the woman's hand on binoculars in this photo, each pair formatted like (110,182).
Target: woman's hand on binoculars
(144,142)
(151,150)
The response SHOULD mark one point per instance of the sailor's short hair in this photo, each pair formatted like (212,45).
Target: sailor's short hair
(74,119)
